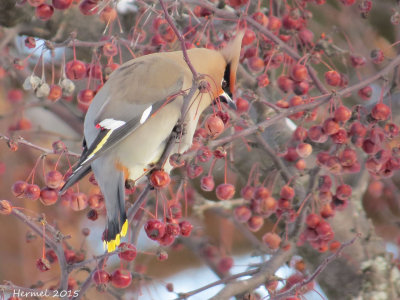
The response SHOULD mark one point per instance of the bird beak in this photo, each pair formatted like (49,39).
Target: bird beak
(225,98)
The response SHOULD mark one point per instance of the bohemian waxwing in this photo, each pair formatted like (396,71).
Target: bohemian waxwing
(130,119)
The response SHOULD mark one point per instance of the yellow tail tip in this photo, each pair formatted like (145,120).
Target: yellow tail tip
(124,229)
(113,244)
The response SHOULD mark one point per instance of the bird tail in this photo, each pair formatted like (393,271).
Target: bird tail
(112,185)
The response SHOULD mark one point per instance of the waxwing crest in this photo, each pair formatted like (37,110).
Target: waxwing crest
(231,53)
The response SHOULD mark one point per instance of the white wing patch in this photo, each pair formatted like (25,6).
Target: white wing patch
(146,114)
(111,124)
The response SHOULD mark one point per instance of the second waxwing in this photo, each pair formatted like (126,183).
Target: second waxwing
(131,118)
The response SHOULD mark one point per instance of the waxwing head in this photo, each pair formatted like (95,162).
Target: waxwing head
(220,68)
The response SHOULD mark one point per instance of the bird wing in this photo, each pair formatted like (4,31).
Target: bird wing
(137,91)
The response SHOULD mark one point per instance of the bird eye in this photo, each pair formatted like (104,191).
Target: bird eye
(224,84)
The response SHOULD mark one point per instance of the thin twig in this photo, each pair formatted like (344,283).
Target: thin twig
(320,268)
(21,140)
(181,39)
(218,282)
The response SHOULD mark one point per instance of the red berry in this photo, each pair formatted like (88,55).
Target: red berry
(30,42)
(237,3)
(334,246)
(108,14)
(225,191)
(160,179)
(85,96)
(92,215)
(32,192)
(343,192)
(381,112)
(214,125)
(348,157)
(391,130)
(121,278)
(301,164)
(263,80)
(14,95)
(357,60)
(301,88)
(268,206)
(284,83)
(333,78)
(330,126)
(369,146)
(247,192)
(167,240)
(18,188)
(274,23)
(272,240)
(255,223)
(225,264)
(299,73)
(339,137)
(348,2)
(186,228)
(53,179)
(35,3)
(342,114)
(282,104)
(48,196)
(88,7)
(365,93)
(248,38)
(62,4)
(78,201)
(242,213)
(260,18)
(313,220)
(162,255)
(324,230)
(172,229)
(326,211)
(304,150)
(306,36)
(291,155)
(44,12)
(357,129)
(101,277)
(43,264)
(128,251)
(110,49)
(300,134)
(170,287)
(287,192)
(242,105)
(51,256)
(154,229)
(55,92)
(75,69)
(255,64)
(324,183)
(175,210)
(316,134)
(207,183)
(261,193)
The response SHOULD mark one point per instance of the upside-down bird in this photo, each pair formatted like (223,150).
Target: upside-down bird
(130,119)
